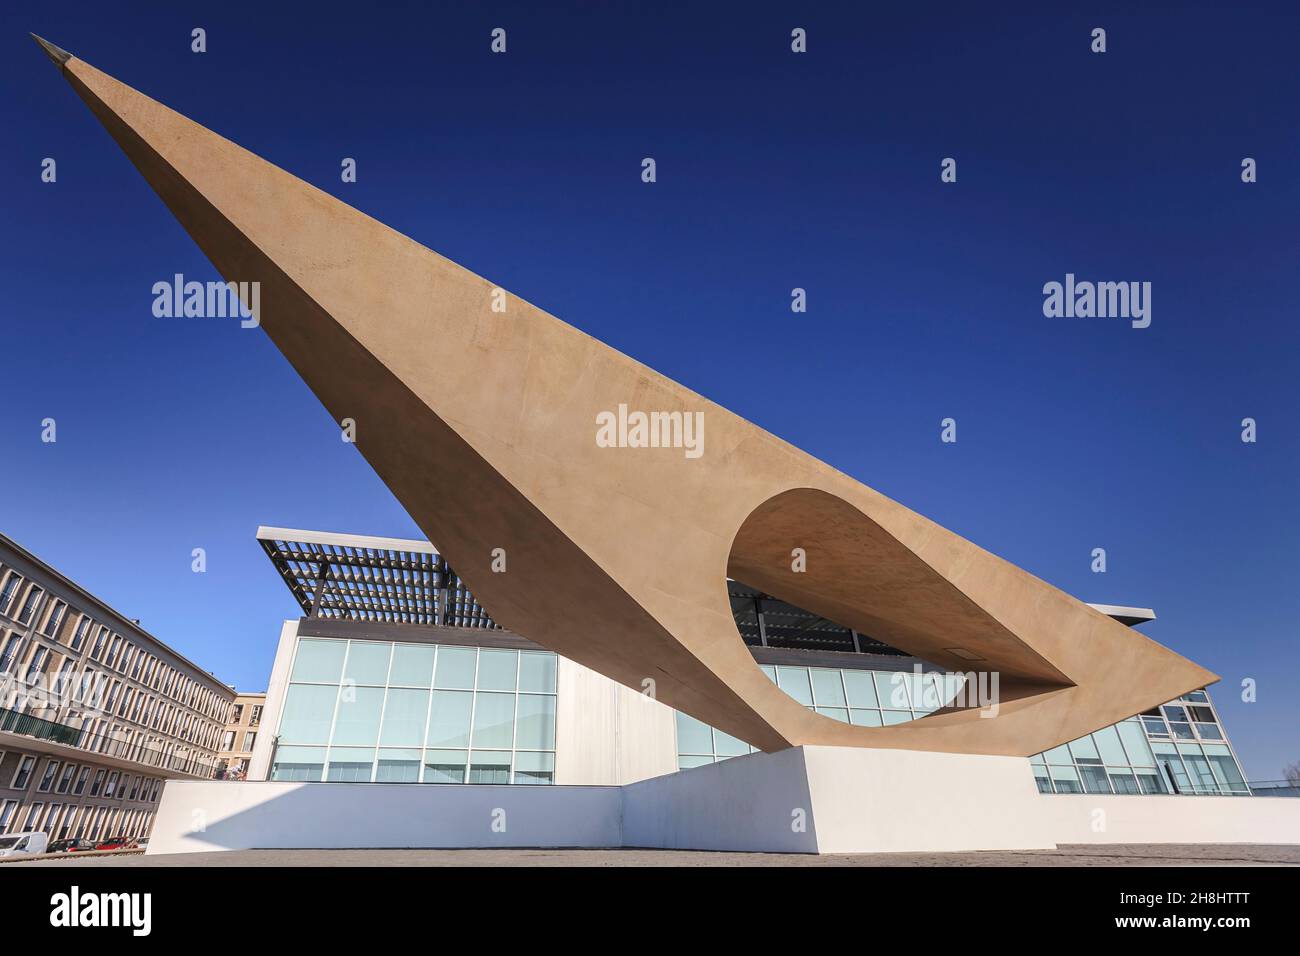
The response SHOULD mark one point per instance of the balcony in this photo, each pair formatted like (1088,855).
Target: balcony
(26,724)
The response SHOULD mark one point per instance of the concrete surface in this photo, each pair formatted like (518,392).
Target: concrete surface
(1184,855)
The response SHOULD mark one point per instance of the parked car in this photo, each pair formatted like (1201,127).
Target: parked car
(70,846)
(22,844)
(115,843)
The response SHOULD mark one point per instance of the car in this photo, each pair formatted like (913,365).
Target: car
(115,843)
(70,846)
(23,844)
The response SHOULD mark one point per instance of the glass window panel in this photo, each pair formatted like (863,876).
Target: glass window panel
(916,690)
(1084,749)
(1209,731)
(1112,751)
(768,671)
(368,662)
(455,667)
(794,681)
(1037,760)
(1151,781)
(486,766)
(1204,714)
(494,722)
(828,691)
(350,765)
(725,745)
(537,671)
(693,736)
(404,715)
(1155,727)
(535,725)
(534,768)
(498,668)
(1182,731)
(951,685)
(1043,780)
(687,761)
(412,665)
(1172,765)
(1094,780)
(1197,695)
(308,712)
(357,720)
(865,718)
(1226,771)
(320,661)
(891,687)
(445,766)
(1059,756)
(398,766)
(861,689)
(1065,779)
(1174,713)
(835,713)
(301,764)
(449,718)
(897,717)
(1135,744)
(1122,780)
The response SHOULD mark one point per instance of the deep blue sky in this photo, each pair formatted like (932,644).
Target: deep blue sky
(775,171)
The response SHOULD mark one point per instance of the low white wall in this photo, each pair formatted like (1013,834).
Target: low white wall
(803,800)
(1084,818)
(758,802)
(197,816)
(882,801)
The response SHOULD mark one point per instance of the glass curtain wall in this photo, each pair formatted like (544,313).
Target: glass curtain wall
(387,712)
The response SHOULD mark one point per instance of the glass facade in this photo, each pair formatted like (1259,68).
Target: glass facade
(862,697)
(1178,748)
(388,712)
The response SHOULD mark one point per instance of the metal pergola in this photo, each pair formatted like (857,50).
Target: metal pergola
(363,578)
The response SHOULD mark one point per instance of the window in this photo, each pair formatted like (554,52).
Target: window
(65,781)
(29,606)
(33,816)
(97,787)
(36,666)
(12,584)
(228,740)
(110,786)
(7,810)
(81,781)
(10,653)
(256,717)
(236,715)
(416,713)
(51,771)
(55,618)
(79,635)
(23,774)
(250,738)
(101,637)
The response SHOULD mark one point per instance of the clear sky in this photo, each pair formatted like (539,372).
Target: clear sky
(775,171)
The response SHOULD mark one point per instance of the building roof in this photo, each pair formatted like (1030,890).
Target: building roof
(364,578)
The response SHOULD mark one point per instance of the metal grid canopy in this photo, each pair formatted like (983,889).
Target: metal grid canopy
(362,578)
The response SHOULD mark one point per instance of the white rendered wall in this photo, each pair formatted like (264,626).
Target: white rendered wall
(196,816)
(803,800)
(1085,818)
(608,734)
(757,802)
(259,766)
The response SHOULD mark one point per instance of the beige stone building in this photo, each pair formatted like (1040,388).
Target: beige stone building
(95,712)
(240,736)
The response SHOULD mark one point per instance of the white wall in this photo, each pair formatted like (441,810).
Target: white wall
(196,816)
(757,802)
(803,800)
(259,765)
(608,734)
(1085,818)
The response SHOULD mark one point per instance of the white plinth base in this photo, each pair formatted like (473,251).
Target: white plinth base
(804,800)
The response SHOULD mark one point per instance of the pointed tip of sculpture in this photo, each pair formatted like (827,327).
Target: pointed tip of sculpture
(56,54)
